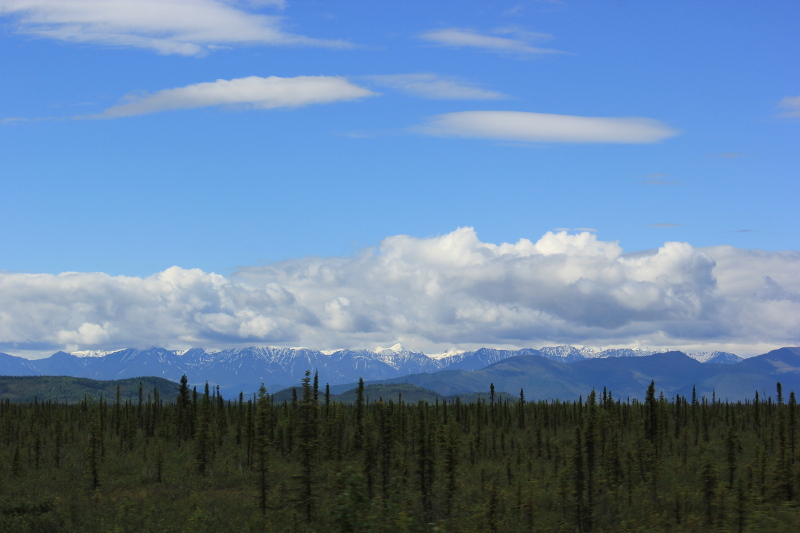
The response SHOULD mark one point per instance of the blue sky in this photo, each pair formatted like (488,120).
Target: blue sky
(231,136)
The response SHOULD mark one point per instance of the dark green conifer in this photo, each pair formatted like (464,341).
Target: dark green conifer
(307,446)
(359,419)
(202,441)
(262,445)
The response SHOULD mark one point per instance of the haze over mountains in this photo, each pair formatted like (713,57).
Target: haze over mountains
(563,372)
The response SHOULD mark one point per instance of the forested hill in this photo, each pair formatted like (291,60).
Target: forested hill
(64,389)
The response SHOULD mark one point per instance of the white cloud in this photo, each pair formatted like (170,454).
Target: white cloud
(184,27)
(542,127)
(792,106)
(253,92)
(467,38)
(435,87)
(86,334)
(429,294)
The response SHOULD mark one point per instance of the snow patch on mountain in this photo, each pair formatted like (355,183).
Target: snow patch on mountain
(91,353)
(719,358)
(449,353)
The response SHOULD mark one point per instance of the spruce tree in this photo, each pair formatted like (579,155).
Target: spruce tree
(359,421)
(307,446)
(262,444)
(93,452)
(202,442)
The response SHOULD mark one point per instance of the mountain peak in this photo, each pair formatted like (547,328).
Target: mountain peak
(396,349)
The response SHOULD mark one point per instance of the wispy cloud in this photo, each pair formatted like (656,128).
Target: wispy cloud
(10,121)
(451,290)
(541,127)
(513,10)
(658,179)
(252,92)
(518,44)
(664,225)
(166,26)
(791,106)
(727,155)
(435,87)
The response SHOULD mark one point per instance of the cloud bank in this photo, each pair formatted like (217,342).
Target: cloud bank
(181,27)
(542,127)
(446,291)
(253,92)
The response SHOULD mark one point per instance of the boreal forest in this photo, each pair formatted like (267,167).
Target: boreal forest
(195,461)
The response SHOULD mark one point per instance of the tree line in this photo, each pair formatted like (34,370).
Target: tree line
(201,462)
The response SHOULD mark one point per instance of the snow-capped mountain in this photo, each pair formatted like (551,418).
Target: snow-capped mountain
(92,353)
(719,358)
(481,358)
(570,354)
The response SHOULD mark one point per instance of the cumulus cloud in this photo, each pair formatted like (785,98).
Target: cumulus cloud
(253,92)
(435,87)
(791,106)
(541,127)
(449,290)
(166,26)
(519,44)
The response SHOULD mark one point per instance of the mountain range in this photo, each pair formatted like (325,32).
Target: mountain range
(244,369)
(674,373)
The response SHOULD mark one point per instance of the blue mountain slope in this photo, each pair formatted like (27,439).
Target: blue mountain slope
(16,366)
(540,377)
(60,364)
(630,376)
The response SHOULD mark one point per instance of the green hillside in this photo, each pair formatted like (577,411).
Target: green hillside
(72,390)
(395,392)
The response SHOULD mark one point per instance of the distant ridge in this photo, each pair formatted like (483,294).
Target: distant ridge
(674,373)
(244,369)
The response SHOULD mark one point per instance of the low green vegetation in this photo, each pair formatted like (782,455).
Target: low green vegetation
(195,462)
